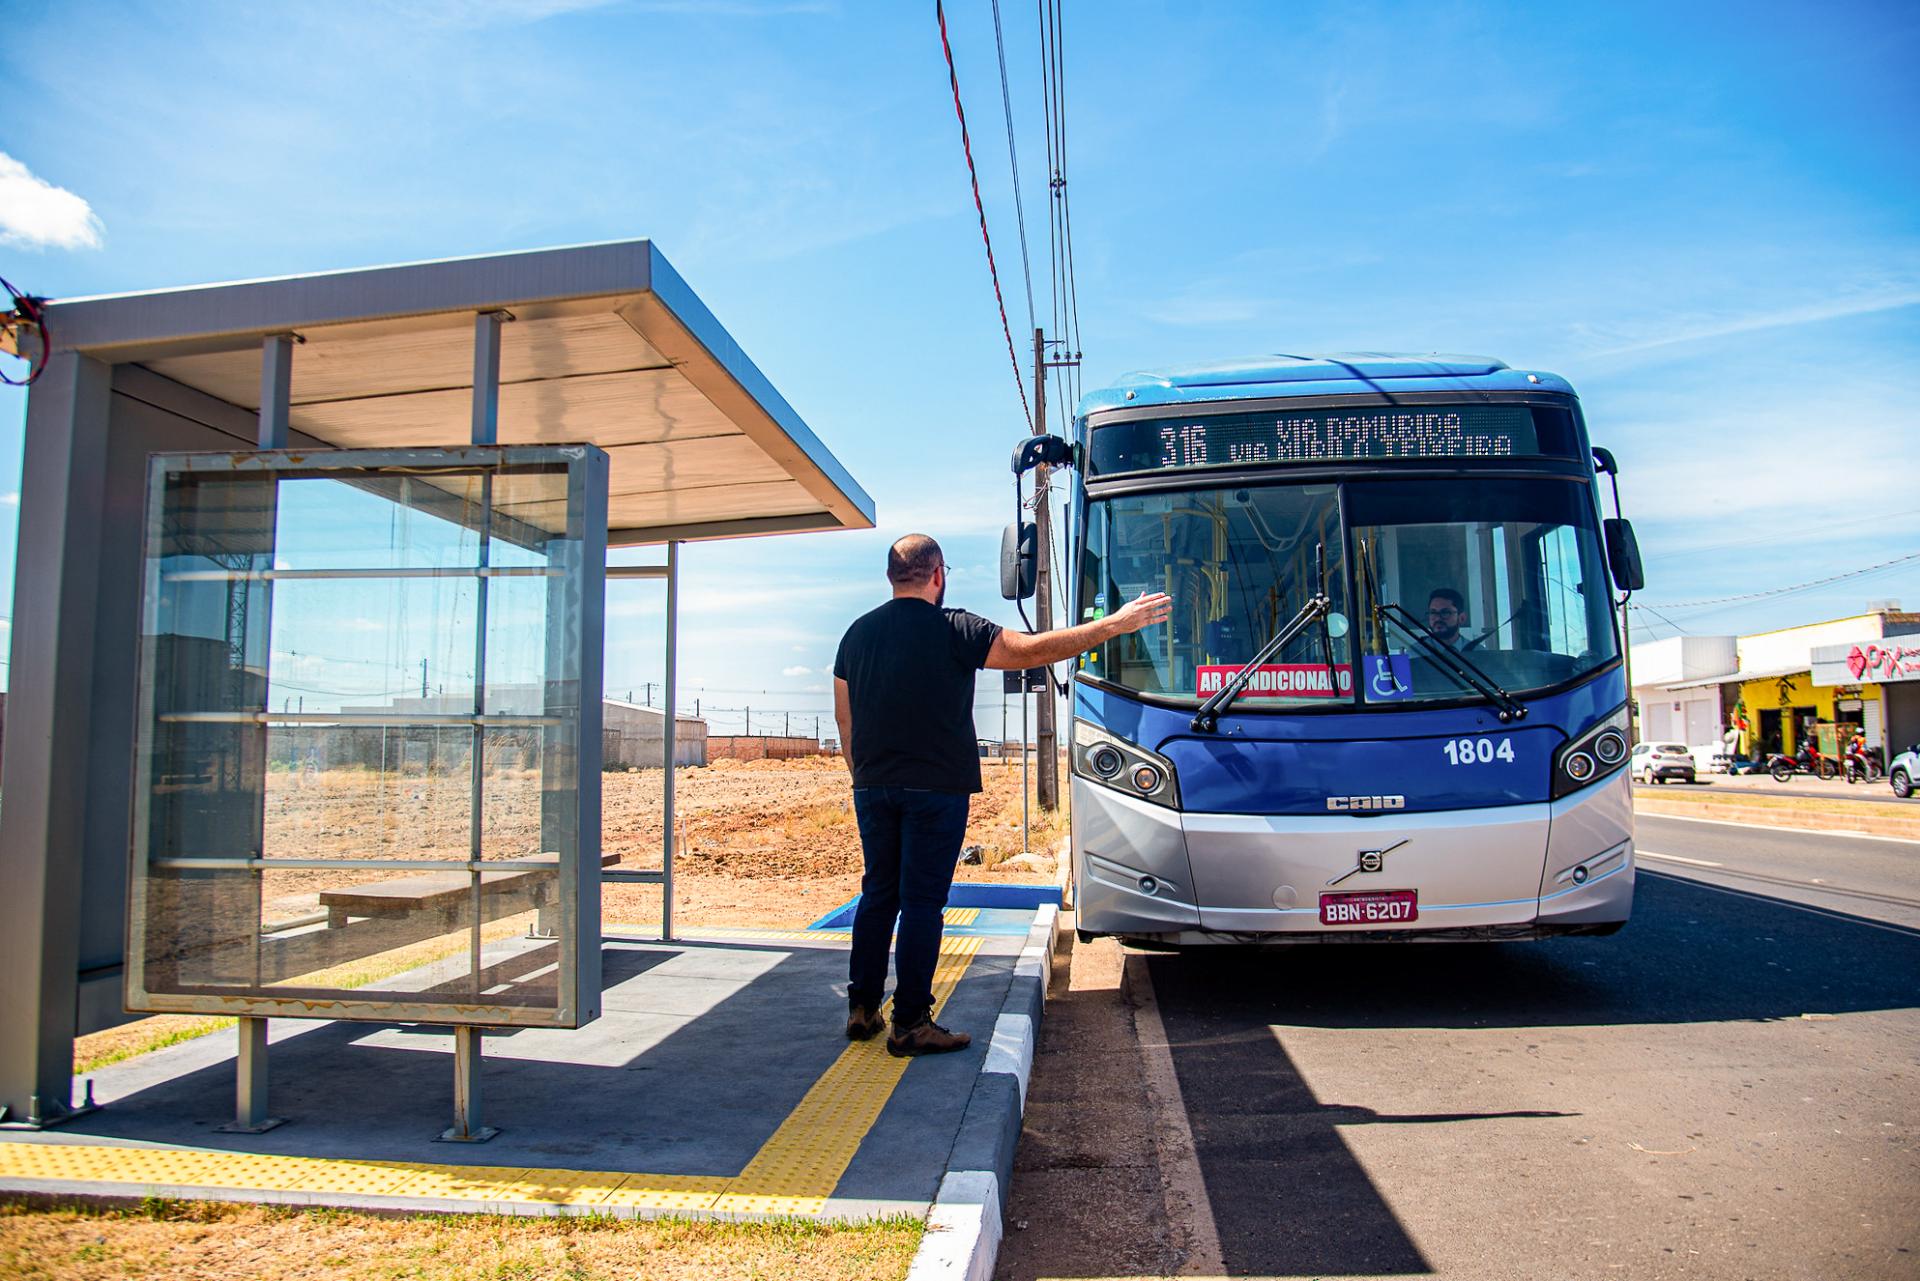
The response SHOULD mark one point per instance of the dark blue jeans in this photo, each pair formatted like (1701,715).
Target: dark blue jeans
(911,840)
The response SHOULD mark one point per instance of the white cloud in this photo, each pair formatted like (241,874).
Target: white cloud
(1702,327)
(11,499)
(796,671)
(35,214)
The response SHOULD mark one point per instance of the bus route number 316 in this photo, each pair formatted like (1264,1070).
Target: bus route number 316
(1478,751)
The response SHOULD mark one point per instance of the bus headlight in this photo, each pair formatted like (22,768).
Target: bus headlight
(1111,761)
(1594,755)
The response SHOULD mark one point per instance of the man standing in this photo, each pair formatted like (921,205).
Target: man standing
(903,698)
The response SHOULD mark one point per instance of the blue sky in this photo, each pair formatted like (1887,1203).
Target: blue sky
(1705,216)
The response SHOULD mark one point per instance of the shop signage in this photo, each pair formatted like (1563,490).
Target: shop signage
(1881,660)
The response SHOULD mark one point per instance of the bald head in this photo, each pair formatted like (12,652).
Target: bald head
(913,561)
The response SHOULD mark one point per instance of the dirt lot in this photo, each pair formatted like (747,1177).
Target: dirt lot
(774,842)
(760,842)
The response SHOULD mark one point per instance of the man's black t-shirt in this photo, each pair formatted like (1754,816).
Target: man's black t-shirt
(909,669)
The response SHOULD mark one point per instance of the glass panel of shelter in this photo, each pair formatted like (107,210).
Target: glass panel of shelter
(357,687)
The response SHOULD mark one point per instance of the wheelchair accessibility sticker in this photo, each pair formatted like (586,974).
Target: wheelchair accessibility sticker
(1389,676)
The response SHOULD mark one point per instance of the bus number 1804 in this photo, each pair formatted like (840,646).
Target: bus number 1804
(1478,751)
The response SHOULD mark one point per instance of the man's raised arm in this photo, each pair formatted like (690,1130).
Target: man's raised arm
(1016,651)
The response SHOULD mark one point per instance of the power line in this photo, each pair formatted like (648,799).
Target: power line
(1013,160)
(1797,587)
(973,175)
(1695,549)
(1064,283)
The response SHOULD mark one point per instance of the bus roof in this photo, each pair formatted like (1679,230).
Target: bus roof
(1266,377)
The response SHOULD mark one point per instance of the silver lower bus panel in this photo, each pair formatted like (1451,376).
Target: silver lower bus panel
(1153,874)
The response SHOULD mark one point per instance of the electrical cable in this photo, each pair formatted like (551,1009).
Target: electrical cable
(1797,587)
(1013,160)
(29,311)
(966,144)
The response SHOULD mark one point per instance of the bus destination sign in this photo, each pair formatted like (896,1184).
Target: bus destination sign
(1318,435)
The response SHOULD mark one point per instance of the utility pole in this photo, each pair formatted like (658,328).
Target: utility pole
(788,733)
(1048,775)
(649,693)
(423,678)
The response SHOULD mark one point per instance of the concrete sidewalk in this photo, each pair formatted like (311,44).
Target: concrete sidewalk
(718,1082)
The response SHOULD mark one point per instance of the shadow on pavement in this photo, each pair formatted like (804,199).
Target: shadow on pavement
(1691,954)
(1289,1196)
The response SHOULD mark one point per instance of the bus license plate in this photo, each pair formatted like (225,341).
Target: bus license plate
(1380,907)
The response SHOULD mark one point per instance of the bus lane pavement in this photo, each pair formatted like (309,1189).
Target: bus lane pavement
(1727,1088)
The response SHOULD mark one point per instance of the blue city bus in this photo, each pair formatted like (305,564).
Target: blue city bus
(1390,703)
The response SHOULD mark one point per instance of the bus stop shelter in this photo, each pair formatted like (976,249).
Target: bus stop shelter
(584,397)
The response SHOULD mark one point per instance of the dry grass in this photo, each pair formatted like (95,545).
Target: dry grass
(1814,812)
(46,1241)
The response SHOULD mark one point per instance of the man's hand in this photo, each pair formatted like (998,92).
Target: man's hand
(1142,611)
(1015,650)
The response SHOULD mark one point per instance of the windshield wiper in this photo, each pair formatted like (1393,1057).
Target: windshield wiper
(1452,661)
(1207,719)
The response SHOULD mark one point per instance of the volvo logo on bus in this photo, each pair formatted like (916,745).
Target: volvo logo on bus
(1350,803)
(1367,861)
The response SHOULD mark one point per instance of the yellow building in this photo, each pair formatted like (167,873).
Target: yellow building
(1780,709)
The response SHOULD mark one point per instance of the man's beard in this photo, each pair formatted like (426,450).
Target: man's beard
(940,597)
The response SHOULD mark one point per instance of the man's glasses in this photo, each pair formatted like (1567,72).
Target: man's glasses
(1443,613)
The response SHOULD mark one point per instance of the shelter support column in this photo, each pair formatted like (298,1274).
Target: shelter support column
(467,1126)
(276,389)
(49,714)
(670,733)
(250,1089)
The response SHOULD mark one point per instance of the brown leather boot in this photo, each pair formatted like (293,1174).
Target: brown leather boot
(864,1024)
(924,1037)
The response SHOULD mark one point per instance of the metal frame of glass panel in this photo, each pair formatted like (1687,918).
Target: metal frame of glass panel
(200,854)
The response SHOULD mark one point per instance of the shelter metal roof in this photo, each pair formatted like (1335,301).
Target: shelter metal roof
(608,346)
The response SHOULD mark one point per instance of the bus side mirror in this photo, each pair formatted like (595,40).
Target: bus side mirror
(1032,451)
(1623,555)
(1019,560)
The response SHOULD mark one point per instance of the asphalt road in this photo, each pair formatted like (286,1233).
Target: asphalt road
(1730,1087)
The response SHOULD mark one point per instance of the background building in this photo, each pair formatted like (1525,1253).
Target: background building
(1861,672)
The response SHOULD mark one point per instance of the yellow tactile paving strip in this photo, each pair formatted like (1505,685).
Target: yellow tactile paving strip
(794,1172)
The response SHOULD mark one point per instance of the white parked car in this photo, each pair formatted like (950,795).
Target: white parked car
(1658,762)
(1904,772)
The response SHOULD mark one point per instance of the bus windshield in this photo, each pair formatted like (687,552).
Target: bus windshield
(1239,563)
(1505,573)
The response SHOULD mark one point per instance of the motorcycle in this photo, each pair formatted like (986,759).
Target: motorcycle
(1863,765)
(1805,761)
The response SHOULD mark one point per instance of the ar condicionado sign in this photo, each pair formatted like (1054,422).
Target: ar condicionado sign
(1283,680)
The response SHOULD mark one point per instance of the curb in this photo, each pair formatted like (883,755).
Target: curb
(963,1229)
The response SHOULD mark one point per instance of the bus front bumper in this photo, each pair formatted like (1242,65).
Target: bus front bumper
(1154,874)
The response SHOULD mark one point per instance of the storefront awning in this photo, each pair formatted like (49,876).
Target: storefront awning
(1734,678)
(606,346)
